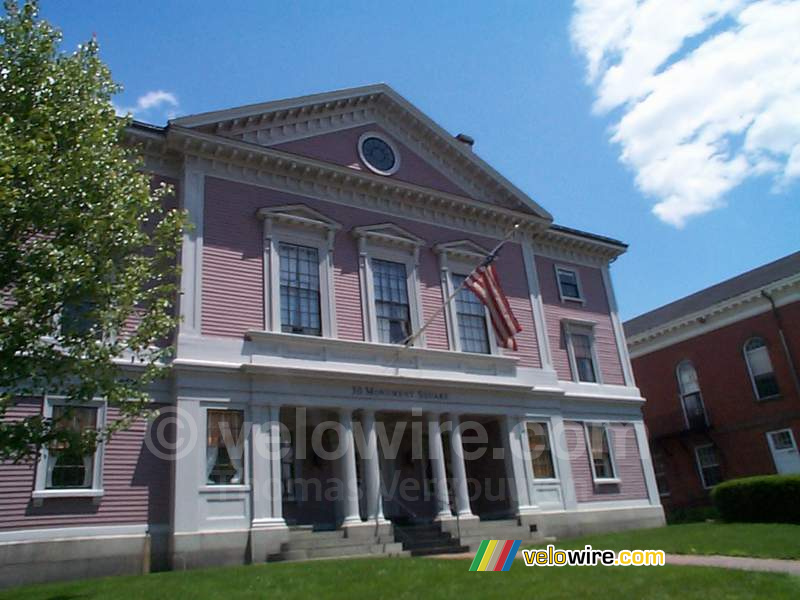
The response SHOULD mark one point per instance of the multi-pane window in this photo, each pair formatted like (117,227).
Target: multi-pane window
(225,448)
(76,318)
(300,302)
(660,471)
(67,466)
(584,359)
(600,451)
(541,452)
(765,384)
(471,316)
(691,398)
(391,301)
(708,465)
(568,285)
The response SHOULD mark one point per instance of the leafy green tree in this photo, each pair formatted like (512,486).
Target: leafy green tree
(88,251)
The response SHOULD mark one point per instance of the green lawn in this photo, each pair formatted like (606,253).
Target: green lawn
(416,578)
(763,540)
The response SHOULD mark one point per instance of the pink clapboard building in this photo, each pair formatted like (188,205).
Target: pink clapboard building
(296,423)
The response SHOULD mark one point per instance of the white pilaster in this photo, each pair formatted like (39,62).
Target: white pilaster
(372,470)
(561,454)
(518,464)
(619,332)
(647,463)
(436,457)
(537,307)
(192,191)
(459,469)
(350,484)
(266,465)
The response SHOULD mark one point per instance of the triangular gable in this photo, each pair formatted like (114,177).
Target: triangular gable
(462,249)
(281,123)
(389,234)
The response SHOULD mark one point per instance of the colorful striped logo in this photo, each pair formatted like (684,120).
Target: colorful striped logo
(495,555)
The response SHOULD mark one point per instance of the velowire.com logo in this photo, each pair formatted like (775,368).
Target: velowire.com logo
(495,555)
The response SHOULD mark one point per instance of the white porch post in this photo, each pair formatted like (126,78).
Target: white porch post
(439,471)
(372,469)
(349,479)
(647,463)
(459,469)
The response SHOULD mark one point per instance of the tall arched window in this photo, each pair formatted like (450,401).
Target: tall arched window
(691,399)
(765,385)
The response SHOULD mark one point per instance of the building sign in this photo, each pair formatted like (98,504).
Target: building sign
(376,392)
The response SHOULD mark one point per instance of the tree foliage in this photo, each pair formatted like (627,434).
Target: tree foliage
(88,253)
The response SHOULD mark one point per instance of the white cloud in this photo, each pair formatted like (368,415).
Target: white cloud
(706,92)
(151,103)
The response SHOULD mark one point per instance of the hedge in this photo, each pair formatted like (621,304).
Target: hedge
(763,499)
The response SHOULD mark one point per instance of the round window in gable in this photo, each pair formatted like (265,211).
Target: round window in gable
(378,153)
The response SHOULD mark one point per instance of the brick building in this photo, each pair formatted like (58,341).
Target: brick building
(719,370)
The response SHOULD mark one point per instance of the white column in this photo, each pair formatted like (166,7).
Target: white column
(192,191)
(459,470)
(266,467)
(349,479)
(619,332)
(372,469)
(438,467)
(647,463)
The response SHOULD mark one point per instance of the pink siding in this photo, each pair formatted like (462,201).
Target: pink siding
(595,309)
(628,463)
(136,484)
(341,148)
(232,266)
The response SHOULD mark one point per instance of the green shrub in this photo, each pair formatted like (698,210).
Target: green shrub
(764,499)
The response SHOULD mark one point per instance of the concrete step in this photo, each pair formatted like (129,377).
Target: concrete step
(431,550)
(315,535)
(327,542)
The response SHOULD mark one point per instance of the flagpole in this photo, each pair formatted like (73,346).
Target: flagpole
(486,261)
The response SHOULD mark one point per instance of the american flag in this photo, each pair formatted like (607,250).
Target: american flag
(486,286)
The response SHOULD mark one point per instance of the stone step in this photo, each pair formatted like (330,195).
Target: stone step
(326,542)
(315,535)
(359,550)
(431,550)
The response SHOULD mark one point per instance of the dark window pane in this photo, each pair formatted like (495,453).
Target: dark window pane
(471,317)
(391,301)
(300,301)
(568,282)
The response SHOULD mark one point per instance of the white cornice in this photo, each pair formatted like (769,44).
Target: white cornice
(242,161)
(721,314)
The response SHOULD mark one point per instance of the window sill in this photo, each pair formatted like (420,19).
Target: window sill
(548,481)
(40,495)
(609,481)
(575,300)
(224,489)
(769,398)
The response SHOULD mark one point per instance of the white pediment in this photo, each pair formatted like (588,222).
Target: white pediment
(463,250)
(388,234)
(298,215)
(273,123)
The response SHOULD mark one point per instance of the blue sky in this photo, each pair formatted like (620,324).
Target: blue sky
(588,107)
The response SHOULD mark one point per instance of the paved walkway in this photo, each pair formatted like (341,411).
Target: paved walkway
(774,565)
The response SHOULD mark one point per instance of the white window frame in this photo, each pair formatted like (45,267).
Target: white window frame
(570,327)
(700,467)
(388,242)
(750,370)
(461,258)
(299,225)
(388,142)
(549,430)
(246,421)
(581,299)
(95,492)
(683,394)
(610,439)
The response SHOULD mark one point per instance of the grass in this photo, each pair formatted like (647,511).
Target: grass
(415,578)
(761,540)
